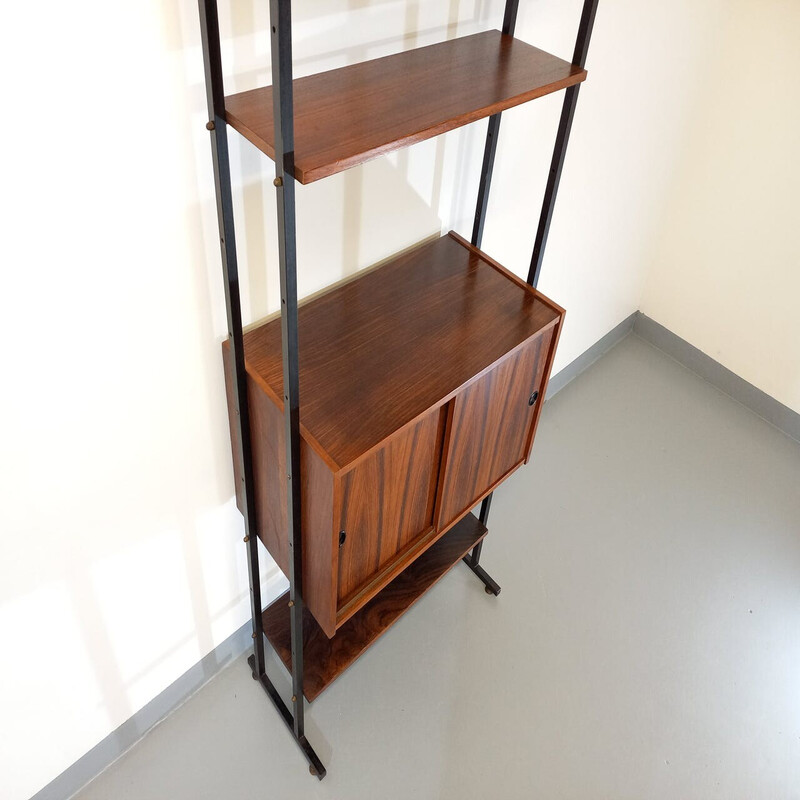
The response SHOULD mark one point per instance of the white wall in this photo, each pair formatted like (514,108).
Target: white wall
(121,561)
(725,260)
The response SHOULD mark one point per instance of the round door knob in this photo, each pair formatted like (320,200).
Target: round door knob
(533,398)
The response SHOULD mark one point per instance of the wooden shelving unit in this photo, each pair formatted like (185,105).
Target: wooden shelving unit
(368,423)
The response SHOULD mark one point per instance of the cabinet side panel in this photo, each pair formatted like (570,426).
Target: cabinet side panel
(317,520)
(269,470)
(387,502)
(489,428)
(232,427)
(543,381)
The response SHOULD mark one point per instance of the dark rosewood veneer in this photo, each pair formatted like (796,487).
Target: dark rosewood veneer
(347,116)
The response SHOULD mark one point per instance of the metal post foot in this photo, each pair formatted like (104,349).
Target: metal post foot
(491,585)
(315,766)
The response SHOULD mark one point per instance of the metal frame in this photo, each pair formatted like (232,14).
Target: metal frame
(209,26)
(548,204)
(473,559)
(562,140)
(281,22)
(283,112)
(492,134)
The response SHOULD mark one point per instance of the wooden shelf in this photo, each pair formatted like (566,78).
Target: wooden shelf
(325,659)
(383,349)
(347,116)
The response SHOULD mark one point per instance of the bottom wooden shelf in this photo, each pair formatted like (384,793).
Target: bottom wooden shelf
(325,659)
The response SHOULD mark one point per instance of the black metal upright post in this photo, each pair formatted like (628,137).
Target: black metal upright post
(490,584)
(492,134)
(215,95)
(554,177)
(280,13)
(281,20)
(562,140)
(487,168)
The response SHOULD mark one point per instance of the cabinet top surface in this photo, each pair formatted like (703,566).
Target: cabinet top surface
(377,352)
(347,116)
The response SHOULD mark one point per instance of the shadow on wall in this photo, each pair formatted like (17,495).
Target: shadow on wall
(344,224)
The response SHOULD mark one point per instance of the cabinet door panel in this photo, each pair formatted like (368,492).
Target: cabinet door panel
(489,428)
(387,502)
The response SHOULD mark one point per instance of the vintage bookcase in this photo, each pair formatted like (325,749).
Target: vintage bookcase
(368,422)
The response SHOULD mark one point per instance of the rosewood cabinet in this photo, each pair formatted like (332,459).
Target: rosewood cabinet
(421,383)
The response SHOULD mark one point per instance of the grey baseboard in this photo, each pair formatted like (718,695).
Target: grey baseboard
(588,357)
(102,755)
(126,735)
(768,408)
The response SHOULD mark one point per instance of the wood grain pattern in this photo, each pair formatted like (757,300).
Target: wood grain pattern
(377,353)
(325,659)
(347,116)
(387,503)
(271,495)
(489,428)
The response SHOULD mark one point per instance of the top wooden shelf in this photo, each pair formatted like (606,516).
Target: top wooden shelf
(347,116)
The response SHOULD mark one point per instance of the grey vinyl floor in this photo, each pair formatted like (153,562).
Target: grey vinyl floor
(646,643)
